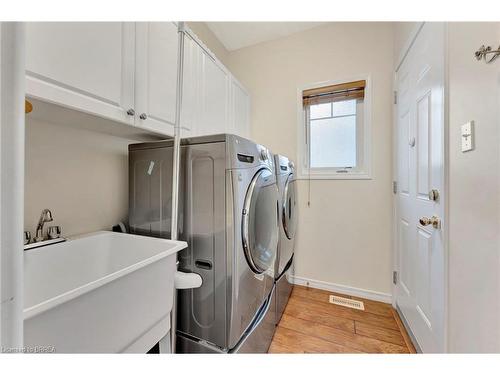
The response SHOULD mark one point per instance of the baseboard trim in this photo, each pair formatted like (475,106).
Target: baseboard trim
(343,289)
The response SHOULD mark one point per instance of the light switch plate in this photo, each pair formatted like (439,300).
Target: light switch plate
(467,131)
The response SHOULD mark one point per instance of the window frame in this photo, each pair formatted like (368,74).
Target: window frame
(361,172)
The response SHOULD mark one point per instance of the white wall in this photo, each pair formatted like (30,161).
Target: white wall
(81,175)
(474,201)
(345,236)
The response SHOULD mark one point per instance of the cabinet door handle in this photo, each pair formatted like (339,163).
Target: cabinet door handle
(143,116)
(131,112)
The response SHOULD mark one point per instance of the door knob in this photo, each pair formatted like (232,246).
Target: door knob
(434,220)
(143,116)
(434,195)
(130,112)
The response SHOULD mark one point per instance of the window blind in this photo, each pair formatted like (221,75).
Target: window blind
(334,93)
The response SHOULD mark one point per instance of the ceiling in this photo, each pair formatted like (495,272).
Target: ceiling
(236,35)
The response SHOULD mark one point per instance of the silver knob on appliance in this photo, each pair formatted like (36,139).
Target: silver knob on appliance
(131,112)
(263,155)
(143,116)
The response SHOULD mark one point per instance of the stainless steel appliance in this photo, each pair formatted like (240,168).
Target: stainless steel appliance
(228,214)
(285,176)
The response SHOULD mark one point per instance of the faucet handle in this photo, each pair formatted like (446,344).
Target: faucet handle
(54,232)
(27,237)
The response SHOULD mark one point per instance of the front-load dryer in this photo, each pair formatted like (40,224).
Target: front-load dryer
(228,215)
(284,267)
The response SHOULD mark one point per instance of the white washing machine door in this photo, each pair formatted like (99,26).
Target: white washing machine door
(260,229)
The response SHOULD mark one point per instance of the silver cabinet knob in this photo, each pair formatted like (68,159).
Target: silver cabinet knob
(143,116)
(131,112)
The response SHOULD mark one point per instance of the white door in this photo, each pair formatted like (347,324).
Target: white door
(156,75)
(239,123)
(88,66)
(215,98)
(420,290)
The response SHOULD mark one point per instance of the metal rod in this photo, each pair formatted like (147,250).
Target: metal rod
(176,172)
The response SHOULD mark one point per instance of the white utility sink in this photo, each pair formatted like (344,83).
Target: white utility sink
(103,292)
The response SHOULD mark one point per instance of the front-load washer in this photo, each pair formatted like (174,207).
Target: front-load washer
(284,267)
(228,214)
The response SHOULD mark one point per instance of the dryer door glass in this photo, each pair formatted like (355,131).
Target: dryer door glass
(260,221)
(289,216)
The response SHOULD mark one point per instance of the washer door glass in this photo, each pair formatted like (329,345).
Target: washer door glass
(260,221)
(289,215)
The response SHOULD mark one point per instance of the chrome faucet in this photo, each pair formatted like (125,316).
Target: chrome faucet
(45,217)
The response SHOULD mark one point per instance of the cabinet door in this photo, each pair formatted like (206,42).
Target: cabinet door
(191,87)
(240,110)
(87,66)
(215,96)
(156,75)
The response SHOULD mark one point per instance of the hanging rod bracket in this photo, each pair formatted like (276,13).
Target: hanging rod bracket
(483,52)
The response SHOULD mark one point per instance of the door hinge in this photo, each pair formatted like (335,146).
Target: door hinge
(394,277)
(395,97)
(395,187)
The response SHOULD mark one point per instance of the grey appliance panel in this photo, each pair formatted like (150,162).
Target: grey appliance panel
(235,146)
(249,289)
(260,338)
(287,188)
(150,192)
(257,339)
(202,311)
(187,345)
(215,175)
(283,291)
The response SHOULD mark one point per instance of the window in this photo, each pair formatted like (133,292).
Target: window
(334,131)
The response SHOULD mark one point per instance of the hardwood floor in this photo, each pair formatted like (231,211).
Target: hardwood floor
(310,324)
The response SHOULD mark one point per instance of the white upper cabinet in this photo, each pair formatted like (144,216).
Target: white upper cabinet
(239,123)
(156,75)
(128,72)
(206,92)
(215,95)
(82,65)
